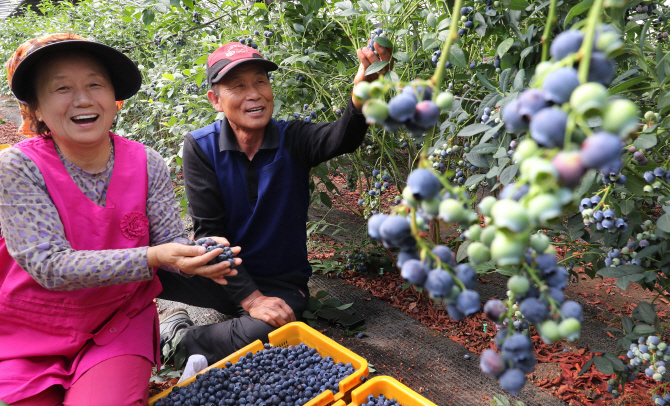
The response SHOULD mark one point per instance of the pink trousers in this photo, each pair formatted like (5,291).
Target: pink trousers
(119,381)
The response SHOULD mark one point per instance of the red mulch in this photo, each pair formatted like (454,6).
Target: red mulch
(8,134)
(588,389)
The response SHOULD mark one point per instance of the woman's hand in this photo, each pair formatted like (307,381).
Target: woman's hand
(193,259)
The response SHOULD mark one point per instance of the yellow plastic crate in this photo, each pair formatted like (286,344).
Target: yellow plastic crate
(294,334)
(389,387)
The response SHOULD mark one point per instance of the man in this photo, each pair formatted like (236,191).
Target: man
(247,178)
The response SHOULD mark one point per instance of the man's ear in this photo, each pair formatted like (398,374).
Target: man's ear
(215,100)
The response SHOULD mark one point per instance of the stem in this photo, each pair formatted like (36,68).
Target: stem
(547,30)
(587,45)
(453,35)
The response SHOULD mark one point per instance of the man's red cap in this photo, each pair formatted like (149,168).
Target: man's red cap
(224,59)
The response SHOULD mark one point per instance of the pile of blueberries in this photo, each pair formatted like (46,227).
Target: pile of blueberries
(603,219)
(274,376)
(211,245)
(380,400)
(412,107)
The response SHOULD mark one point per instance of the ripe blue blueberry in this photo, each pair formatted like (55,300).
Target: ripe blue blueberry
(494,309)
(468,302)
(395,230)
(438,283)
(512,380)
(423,184)
(402,107)
(414,272)
(566,43)
(559,84)
(600,150)
(491,363)
(601,69)
(533,310)
(548,127)
(426,114)
(467,275)
(374,223)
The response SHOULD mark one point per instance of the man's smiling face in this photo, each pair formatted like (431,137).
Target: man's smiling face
(245,96)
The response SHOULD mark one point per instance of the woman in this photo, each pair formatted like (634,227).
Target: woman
(86,219)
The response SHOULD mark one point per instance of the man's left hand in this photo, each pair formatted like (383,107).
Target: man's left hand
(367,58)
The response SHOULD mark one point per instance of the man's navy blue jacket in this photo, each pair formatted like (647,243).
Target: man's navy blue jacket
(261,205)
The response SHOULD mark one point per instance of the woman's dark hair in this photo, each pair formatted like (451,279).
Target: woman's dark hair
(36,126)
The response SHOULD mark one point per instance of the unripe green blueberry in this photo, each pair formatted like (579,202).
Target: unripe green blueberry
(649,115)
(496,4)
(661,369)
(550,250)
(506,250)
(452,211)
(408,196)
(609,42)
(657,377)
(625,250)
(616,261)
(474,232)
(550,332)
(509,214)
(570,329)
(589,99)
(488,234)
(525,150)
(620,117)
(362,91)
(376,90)
(541,172)
(464,18)
(478,253)
(662,346)
(518,284)
(431,207)
(650,346)
(646,356)
(539,242)
(544,208)
(615,392)
(486,204)
(586,213)
(666,357)
(648,223)
(444,100)
(517,314)
(656,185)
(375,111)
(420,222)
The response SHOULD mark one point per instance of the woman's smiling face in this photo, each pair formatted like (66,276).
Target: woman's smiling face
(75,98)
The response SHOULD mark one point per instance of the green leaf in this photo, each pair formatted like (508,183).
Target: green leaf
(308,315)
(603,365)
(401,56)
(627,84)
(664,223)
(462,251)
(325,199)
(345,306)
(644,329)
(485,81)
(148,16)
(473,180)
(313,304)
(651,250)
(444,24)
(500,400)
(505,46)
(645,141)
(616,361)
(586,366)
(484,148)
(626,206)
(457,57)
(375,67)
(627,324)
(578,10)
(645,312)
(430,43)
(298,27)
(478,160)
(431,20)
(508,174)
(473,129)
(481,27)
(611,272)
(586,183)
(168,76)
(188,3)
(321,294)
(332,302)
(383,41)
(515,4)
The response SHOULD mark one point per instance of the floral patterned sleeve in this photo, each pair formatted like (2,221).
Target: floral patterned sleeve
(35,236)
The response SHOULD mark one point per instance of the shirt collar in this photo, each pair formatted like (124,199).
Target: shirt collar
(228,142)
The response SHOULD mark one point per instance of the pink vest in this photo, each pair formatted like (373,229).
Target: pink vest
(52,337)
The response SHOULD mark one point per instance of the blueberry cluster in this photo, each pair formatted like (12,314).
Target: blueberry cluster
(603,219)
(512,364)
(660,400)
(651,353)
(654,179)
(537,109)
(466,21)
(274,376)
(379,184)
(308,113)
(412,108)
(356,261)
(211,245)
(248,42)
(380,400)
(379,32)
(436,57)
(196,18)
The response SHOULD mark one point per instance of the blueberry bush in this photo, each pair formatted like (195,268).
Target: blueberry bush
(526,125)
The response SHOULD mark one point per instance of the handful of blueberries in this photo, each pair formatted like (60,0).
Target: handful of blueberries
(274,376)
(211,245)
